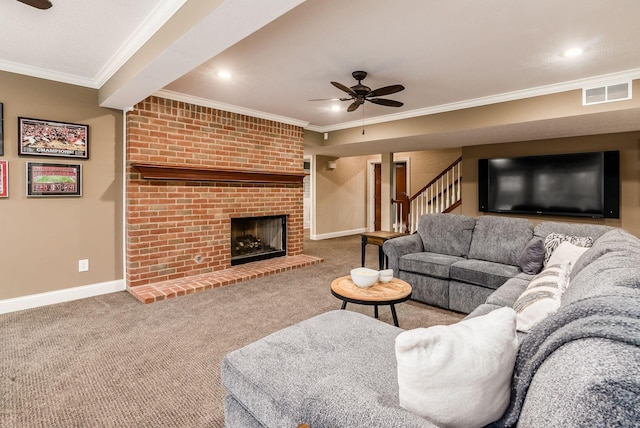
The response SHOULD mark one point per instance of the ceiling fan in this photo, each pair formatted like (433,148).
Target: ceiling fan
(38,4)
(360,93)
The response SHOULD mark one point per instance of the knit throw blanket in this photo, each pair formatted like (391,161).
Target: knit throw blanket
(615,317)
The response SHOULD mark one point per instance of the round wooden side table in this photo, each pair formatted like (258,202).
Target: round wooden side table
(394,291)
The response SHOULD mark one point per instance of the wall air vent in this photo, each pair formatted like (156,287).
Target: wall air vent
(608,93)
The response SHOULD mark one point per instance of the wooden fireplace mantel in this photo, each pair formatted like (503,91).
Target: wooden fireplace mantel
(190,173)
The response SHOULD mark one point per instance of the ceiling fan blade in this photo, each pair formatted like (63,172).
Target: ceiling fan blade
(354,106)
(331,99)
(387,90)
(343,88)
(38,4)
(384,102)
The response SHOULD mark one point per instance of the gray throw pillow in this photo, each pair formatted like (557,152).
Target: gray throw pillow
(532,256)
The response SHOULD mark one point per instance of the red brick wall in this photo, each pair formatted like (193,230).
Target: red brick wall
(169,223)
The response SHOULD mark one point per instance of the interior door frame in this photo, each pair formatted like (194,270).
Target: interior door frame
(371,189)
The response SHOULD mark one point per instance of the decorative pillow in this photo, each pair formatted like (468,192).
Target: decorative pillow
(567,252)
(532,256)
(552,241)
(542,296)
(459,375)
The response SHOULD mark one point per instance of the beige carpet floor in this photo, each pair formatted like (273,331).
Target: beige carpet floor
(110,361)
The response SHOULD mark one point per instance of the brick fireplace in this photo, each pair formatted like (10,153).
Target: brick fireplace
(190,169)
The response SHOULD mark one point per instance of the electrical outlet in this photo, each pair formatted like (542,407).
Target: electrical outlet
(83,265)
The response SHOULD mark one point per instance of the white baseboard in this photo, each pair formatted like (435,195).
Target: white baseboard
(338,234)
(59,296)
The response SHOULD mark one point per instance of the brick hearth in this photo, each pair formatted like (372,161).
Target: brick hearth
(193,284)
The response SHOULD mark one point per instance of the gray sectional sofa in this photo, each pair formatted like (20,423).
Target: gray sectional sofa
(455,262)
(578,367)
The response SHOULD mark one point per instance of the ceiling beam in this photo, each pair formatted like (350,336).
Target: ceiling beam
(200,30)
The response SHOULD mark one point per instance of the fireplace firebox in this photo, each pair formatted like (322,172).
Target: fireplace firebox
(258,238)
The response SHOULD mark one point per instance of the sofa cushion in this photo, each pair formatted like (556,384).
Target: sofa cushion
(508,293)
(612,241)
(458,375)
(465,297)
(427,289)
(335,403)
(483,309)
(272,375)
(432,264)
(585,383)
(446,233)
(500,239)
(480,272)
(544,228)
(611,270)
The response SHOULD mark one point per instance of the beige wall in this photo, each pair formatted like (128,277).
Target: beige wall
(628,144)
(340,195)
(427,164)
(43,238)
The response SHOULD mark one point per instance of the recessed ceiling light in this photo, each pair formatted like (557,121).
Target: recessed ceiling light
(335,107)
(224,74)
(573,52)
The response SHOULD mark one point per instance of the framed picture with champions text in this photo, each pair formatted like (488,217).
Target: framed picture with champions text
(38,137)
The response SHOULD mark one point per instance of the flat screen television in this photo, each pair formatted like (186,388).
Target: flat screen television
(577,184)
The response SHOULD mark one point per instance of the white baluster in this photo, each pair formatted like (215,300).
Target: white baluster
(459,165)
(448,204)
(395,217)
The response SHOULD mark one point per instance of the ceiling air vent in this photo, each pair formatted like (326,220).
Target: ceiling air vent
(608,93)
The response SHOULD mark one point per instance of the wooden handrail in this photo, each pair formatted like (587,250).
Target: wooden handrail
(444,171)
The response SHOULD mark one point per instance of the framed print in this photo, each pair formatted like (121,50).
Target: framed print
(55,139)
(1,129)
(54,179)
(4,179)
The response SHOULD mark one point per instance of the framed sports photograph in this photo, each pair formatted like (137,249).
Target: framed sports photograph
(38,137)
(54,179)
(4,179)
(1,129)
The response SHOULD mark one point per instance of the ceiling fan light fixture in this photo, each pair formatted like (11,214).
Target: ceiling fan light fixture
(360,93)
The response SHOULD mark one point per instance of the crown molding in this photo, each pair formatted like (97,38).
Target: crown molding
(154,21)
(147,28)
(176,96)
(493,99)
(42,73)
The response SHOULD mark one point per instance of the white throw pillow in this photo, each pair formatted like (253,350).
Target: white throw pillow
(566,252)
(459,375)
(542,296)
(553,240)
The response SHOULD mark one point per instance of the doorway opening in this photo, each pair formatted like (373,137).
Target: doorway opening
(400,186)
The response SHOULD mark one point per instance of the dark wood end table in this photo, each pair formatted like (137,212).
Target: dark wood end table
(378,238)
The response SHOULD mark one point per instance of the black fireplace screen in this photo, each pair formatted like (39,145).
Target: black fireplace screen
(258,238)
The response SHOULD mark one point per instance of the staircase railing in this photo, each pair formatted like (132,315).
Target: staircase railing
(440,195)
